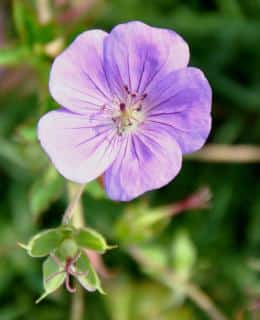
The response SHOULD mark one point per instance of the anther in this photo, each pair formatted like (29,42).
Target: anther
(122,106)
(139,108)
(126,89)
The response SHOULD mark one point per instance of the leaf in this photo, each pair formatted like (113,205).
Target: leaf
(183,254)
(95,190)
(25,21)
(51,280)
(90,281)
(44,242)
(90,239)
(45,190)
(12,56)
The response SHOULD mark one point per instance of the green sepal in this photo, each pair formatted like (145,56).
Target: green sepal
(90,281)
(45,242)
(90,239)
(51,280)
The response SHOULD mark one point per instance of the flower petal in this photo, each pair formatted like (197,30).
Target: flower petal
(136,54)
(79,150)
(77,79)
(182,101)
(147,160)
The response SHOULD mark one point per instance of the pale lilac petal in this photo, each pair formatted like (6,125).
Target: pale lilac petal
(182,101)
(147,160)
(78,149)
(77,78)
(136,54)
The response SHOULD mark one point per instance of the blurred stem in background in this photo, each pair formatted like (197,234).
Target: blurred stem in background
(227,153)
(172,280)
(75,213)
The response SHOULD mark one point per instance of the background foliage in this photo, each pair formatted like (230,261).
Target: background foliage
(158,265)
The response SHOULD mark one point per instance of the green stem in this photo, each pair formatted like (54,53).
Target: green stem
(75,214)
(74,210)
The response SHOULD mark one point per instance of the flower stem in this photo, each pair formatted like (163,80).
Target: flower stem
(74,208)
(74,213)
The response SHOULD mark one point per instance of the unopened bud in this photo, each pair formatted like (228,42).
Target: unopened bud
(68,248)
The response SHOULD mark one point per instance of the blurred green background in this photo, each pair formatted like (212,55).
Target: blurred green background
(201,264)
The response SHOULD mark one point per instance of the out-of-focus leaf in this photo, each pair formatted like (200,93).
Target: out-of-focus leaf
(26,133)
(13,56)
(45,190)
(95,190)
(184,254)
(51,279)
(25,21)
(140,223)
(90,281)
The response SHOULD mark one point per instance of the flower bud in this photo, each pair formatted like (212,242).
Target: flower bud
(68,248)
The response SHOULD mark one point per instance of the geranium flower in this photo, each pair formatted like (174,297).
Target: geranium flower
(130,109)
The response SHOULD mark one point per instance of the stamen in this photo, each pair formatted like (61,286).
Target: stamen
(139,108)
(122,107)
(126,89)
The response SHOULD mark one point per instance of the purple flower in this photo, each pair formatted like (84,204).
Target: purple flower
(131,109)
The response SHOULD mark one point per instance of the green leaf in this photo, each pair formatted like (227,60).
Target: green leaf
(52,279)
(45,190)
(45,242)
(95,190)
(183,254)
(12,56)
(25,21)
(140,223)
(90,281)
(90,239)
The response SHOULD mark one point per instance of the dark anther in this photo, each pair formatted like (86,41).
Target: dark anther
(139,108)
(122,106)
(133,95)
(126,88)
(144,96)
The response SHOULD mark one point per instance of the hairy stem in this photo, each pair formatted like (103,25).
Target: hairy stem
(75,214)
(74,209)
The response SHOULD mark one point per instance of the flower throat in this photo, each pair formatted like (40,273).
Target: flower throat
(129,114)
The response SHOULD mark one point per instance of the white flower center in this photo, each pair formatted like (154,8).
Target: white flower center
(129,115)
